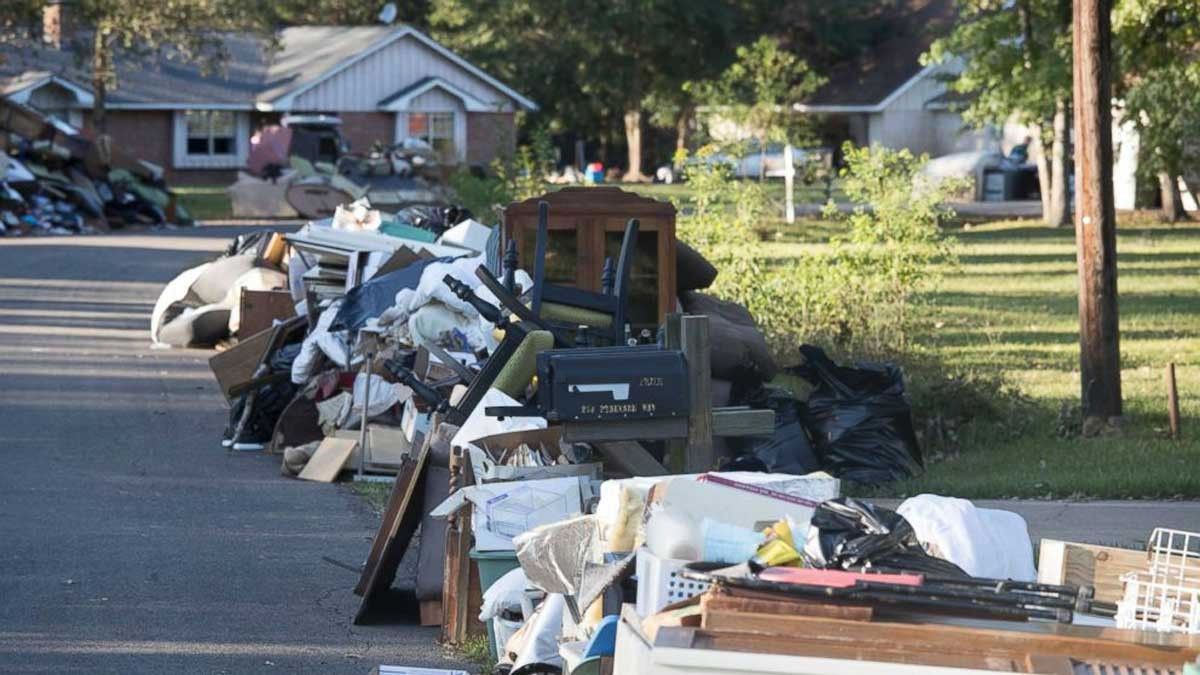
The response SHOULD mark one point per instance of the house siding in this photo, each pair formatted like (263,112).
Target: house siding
(908,123)
(362,129)
(362,86)
(489,135)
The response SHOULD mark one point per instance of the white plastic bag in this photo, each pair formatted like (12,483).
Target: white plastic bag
(984,542)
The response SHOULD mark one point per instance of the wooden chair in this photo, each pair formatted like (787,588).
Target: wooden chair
(605,312)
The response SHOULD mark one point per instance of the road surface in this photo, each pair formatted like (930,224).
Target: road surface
(130,541)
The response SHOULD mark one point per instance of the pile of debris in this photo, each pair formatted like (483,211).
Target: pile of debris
(54,180)
(303,167)
(595,497)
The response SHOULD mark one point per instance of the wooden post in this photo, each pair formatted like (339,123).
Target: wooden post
(789,185)
(699,456)
(675,449)
(1095,216)
(1172,401)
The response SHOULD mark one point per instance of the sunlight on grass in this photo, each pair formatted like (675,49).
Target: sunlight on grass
(1011,307)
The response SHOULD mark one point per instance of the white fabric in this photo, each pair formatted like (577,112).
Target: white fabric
(983,542)
(541,645)
(356,216)
(479,424)
(175,290)
(318,341)
(508,592)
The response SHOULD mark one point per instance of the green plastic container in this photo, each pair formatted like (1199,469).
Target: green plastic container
(492,566)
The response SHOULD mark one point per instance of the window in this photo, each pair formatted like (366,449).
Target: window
(211,132)
(436,129)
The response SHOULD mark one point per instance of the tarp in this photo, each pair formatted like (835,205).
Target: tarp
(370,300)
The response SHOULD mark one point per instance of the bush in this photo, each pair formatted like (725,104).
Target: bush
(858,293)
(521,176)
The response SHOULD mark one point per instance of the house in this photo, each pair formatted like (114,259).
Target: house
(386,83)
(886,96)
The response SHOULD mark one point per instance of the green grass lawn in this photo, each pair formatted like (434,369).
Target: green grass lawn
(205,202)
(1011,309)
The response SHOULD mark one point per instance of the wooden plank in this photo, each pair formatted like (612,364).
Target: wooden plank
(764,603)
(457,570)
(260,309)
(431,612)
(625,430)
(700,456)
(743,422)
(386,447)
(675,448)
(956,636)
(237,364)
(630,457)
(1073,564)
(328,460)
(395,532)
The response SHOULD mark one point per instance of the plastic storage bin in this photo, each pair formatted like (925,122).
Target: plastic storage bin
(659,583)
(492,566)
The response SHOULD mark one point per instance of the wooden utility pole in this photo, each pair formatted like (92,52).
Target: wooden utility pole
(1095,216)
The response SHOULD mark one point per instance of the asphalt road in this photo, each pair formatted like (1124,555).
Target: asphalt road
(130,541)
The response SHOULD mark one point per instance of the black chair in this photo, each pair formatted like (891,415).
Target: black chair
(604,313)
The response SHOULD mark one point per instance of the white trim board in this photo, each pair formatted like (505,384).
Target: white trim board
(83,97)
(241,139)
(469,102)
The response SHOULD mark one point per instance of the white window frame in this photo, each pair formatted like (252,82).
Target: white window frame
(182,159)
(460,129)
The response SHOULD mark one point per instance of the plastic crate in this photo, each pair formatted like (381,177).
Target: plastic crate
(492,566)
(1166,597)
(659,583)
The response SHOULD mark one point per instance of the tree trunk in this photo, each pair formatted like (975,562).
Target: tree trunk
(1060,192)
(101,75)
(762,159)
(1095,216)
(1044,177)
(1172,199)
(683,121)
(633,141)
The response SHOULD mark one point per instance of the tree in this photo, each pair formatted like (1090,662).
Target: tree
(757,91)
(1159,47)
(345,12)
(1095,217)
(1015,60)
(134,31)
(598,67)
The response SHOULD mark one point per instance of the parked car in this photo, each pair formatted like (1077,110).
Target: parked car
(747,165)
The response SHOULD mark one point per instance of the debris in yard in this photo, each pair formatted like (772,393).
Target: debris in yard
(56,180)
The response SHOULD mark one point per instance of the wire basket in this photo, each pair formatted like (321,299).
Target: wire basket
(1166,597)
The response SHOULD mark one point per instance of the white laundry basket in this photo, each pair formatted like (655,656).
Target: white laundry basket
(659,583)
(1166,597)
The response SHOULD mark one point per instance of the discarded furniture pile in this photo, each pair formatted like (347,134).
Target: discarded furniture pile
(603,478)
(302,167)
(55,180)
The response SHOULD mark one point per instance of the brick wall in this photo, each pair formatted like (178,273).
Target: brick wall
(146,134)
(488,136)
(362,129)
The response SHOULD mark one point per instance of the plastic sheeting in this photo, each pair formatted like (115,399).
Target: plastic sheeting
(984,542)
(860,419)
(846,533)
(369,300)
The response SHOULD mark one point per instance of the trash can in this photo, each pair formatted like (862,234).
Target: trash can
(492,566)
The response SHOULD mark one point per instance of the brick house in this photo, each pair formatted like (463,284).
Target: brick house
(386,83)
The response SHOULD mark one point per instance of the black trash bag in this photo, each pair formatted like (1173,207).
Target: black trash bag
(371,299)
(860,419)
(853,534)
(788,450)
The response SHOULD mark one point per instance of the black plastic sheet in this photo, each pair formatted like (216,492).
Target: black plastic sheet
(371,299)
(788,450)
(853,534)
(860,419)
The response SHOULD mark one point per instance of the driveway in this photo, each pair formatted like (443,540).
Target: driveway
(130,541)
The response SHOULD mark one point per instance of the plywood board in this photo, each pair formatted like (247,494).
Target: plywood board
(237,364)
(260,310)
(400,520)
(328,460)
(1101,567)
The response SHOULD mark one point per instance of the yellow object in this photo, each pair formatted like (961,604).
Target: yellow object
(780,549)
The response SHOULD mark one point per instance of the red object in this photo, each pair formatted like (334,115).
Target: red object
(834,578)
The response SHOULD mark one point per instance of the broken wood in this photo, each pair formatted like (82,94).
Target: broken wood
(329,459)
(396,529)
(1101,567)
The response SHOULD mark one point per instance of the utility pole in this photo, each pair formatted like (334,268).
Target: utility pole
(1095,216)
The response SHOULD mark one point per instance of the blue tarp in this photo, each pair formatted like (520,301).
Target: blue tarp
(369,300)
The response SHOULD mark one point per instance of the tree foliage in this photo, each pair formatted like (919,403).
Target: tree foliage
(757,90)
(189,31)
(1158,48)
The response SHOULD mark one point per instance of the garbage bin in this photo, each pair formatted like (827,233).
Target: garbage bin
(493,565)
